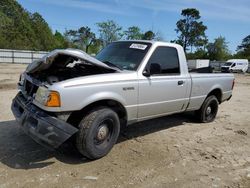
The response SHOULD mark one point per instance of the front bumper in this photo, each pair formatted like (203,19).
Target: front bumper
(39,125)
(225,69)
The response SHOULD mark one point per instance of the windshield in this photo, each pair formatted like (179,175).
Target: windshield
(124,55)
(228,64)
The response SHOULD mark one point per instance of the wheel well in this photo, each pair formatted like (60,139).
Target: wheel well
(217,93)
(77,116)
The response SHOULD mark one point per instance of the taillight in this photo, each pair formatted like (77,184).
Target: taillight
(233,84)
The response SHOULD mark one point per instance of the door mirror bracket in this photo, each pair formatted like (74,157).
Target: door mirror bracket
(146,73)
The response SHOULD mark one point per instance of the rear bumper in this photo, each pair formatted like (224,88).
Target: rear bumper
(39,125)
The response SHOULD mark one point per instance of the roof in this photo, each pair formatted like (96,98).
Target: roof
(152,42)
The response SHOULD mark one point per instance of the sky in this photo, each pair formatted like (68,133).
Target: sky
(227,18)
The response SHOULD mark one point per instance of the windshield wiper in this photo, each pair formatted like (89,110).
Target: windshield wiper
(112,65)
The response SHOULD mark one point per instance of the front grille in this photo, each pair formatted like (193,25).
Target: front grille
(224,69)
(30,88)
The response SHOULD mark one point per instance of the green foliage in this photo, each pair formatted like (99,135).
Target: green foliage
(44,38)
(245,45)
(133,33)
(198,54)
(16,29)
(218,50)
(60,41)
(83,38)
(95,47)
(148,35)
(191,30)
(244,48)
(20,29)
(109,31)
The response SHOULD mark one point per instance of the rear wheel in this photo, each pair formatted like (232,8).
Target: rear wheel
(208,110)
(98,132)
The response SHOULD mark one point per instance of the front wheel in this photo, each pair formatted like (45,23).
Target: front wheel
(98,132)
(208,110)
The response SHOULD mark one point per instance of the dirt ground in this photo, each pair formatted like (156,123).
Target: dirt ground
(172,151)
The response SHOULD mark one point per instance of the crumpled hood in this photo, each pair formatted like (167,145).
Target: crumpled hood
(45,62)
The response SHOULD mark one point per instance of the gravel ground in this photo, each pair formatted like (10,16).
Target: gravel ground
(172,151)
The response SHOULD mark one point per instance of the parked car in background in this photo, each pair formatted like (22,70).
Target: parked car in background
(235,65)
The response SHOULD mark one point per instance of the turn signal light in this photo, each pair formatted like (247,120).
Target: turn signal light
(53,99)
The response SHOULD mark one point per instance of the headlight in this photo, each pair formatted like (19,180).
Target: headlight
(47,97)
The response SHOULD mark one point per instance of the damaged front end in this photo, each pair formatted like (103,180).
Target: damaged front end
(61,65)
(49,128)
(42,127)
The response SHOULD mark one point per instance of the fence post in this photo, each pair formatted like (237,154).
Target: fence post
(32,56)
(13,61)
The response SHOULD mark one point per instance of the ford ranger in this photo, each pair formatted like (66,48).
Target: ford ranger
(69,94)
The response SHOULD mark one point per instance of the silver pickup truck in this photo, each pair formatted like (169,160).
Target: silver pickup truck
(69,94)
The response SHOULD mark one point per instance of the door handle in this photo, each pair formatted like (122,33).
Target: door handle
(180,82)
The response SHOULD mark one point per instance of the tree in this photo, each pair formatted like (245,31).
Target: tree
(191,31)
(16,27)
(158,36)
(133,33)
(83,38)
(95,47)
(19,29)
(109,31)
(198,54)
(43,34)
(60,41)
(218,50)
(244,48)
(245,45)
(148,35)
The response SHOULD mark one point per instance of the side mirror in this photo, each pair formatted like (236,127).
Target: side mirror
(146,73)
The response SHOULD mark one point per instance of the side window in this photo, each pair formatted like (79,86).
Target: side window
(164,60)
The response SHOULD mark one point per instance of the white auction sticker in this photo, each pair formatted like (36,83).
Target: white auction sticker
(138,46)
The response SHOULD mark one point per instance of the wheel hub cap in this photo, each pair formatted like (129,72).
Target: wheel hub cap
(102,132)
(209,110)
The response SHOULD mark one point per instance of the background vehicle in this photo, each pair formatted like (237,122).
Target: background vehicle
(198,63)
(235,65)
(70,93)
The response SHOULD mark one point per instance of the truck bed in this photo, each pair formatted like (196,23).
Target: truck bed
(204,83)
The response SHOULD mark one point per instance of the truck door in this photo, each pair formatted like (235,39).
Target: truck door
(165,90)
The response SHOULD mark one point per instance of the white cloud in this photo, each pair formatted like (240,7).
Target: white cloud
(210,9)
(86,5)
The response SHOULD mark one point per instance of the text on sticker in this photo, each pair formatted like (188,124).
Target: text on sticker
(138,46)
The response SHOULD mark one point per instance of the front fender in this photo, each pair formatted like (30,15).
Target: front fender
(102,96)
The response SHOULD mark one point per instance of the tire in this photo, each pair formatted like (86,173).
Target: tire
(208,111)
(98,132)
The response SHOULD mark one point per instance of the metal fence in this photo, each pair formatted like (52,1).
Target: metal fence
(28,56)
(217,65)
(20,56)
